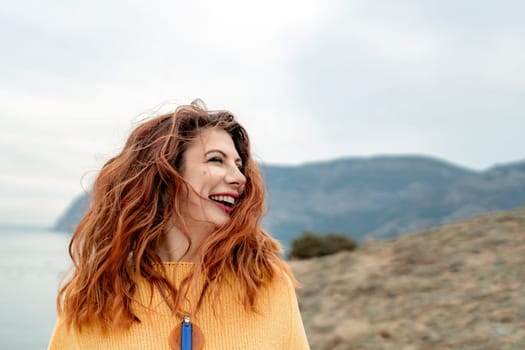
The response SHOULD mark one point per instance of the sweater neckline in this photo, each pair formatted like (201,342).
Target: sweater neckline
(177,263)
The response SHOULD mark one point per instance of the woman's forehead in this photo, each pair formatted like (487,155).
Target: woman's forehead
(214,139)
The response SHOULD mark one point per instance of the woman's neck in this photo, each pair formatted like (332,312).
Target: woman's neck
(176,245)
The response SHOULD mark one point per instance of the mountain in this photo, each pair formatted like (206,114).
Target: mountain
(382,197)
(378,197)
(71,217)
(458,286)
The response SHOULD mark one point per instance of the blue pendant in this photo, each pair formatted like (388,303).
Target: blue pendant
(185,337)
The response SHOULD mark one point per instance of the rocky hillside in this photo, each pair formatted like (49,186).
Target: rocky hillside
(377,197)
(458,286)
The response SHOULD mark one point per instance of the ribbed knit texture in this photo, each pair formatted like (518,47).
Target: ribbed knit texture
(278,324)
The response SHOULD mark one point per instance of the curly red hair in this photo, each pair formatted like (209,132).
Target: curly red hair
(135,196)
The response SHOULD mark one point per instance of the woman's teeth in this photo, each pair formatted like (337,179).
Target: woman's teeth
(228,200)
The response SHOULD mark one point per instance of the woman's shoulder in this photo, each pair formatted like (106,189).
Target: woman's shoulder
(283,276)
(281,287)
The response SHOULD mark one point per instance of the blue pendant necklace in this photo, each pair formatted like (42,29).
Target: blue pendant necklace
(186,336)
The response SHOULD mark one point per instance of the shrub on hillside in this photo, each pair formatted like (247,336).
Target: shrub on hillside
(311,244)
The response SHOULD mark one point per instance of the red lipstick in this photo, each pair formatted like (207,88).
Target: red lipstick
(227,209)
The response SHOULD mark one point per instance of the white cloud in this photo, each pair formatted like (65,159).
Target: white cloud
(411,76)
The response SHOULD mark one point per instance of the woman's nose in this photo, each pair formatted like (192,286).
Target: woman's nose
(234,176)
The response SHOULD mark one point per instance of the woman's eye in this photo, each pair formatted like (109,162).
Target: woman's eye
(215,159)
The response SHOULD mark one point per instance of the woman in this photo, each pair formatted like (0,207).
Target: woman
(171,252)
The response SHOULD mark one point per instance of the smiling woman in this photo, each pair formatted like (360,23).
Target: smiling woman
(170,253)
(213,170)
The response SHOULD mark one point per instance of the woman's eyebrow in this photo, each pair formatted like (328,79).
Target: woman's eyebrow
(215,150)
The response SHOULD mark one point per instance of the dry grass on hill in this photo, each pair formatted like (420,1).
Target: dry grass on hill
(459,286)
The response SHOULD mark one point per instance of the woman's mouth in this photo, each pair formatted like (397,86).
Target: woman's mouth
(225,202)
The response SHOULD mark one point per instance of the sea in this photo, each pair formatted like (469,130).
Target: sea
(32,263)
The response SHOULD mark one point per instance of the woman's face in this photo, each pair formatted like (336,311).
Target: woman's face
(211,166)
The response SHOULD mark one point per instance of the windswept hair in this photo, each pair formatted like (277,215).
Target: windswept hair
(135,197)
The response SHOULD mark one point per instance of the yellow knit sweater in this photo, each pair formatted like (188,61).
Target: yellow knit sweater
(278,324)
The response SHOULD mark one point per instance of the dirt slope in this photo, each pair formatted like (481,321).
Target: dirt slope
(459,286)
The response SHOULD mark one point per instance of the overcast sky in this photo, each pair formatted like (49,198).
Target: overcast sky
(310,80)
